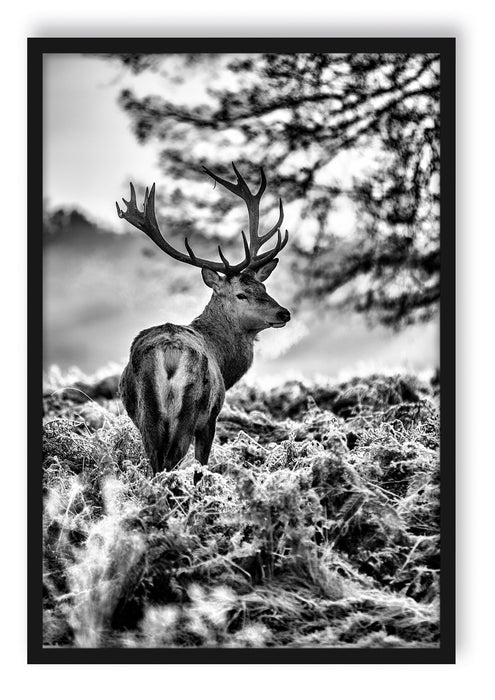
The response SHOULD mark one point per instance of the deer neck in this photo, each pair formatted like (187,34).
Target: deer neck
(231,345)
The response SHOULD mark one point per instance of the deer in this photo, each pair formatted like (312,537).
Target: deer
(173,386)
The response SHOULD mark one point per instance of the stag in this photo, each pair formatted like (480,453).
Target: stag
(174,384)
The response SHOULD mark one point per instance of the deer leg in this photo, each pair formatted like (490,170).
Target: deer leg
(203,443)
(155,442)
(204,440)
(178,447)
(156,460)
(175,455)
(165,451)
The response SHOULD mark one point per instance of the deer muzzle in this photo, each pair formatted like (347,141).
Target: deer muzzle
(283,317)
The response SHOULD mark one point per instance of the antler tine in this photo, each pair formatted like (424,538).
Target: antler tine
(225,183)
(149,211)
(263,239)
(224,259)
(191,252)
(242,186)
(262,186)
(133,201)
(261,260)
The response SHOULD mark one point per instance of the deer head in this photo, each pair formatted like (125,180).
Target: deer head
(239,288)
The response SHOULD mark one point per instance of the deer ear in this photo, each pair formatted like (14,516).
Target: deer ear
(211,278)
(264,272)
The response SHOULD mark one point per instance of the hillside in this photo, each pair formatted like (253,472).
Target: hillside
(316,523)
(102,288)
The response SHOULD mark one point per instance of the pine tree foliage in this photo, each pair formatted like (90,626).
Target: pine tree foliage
(296,114)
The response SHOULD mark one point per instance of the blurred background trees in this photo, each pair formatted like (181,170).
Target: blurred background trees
(349,141)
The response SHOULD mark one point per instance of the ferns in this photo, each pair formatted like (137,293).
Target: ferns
(316,522)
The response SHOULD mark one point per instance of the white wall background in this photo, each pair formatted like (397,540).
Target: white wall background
(472,24)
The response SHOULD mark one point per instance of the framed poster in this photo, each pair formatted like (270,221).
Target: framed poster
(243,451)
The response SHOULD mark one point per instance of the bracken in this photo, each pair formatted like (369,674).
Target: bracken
(316,522)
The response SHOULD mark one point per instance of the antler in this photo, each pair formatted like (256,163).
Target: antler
(146,221)
(253,206)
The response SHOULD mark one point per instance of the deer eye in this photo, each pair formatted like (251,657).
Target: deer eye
(241,296)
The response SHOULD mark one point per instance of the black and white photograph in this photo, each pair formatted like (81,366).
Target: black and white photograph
(244,248)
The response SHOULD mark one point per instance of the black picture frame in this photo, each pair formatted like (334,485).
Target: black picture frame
(37,47)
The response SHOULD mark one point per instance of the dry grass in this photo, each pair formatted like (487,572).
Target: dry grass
(316,522)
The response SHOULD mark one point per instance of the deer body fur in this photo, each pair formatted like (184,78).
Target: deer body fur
(173,390)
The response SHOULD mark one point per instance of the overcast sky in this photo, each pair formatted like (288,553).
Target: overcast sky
(89,151)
